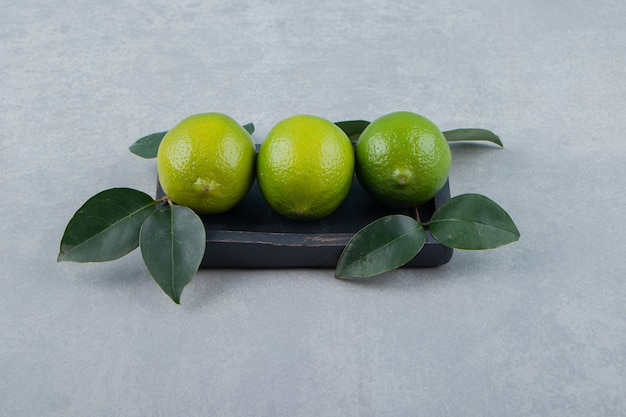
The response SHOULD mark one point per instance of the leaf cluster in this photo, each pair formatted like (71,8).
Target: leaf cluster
(115,222)
(172,238)
(467,221)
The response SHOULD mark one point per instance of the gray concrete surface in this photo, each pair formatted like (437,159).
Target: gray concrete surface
(536,328)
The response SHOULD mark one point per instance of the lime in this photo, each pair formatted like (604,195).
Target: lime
(206,162)
(305,167)
(402,159)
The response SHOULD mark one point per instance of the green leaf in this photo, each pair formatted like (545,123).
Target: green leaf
(353,128)
(383,245)
(472,221)
(147,146)
(107,226)
(459,135)
(249,127)
(172,242)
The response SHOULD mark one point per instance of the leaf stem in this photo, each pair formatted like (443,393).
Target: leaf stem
(417,215)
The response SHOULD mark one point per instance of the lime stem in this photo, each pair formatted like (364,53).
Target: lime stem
(165,200)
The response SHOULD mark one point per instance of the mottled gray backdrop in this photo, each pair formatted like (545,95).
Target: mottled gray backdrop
(536,328)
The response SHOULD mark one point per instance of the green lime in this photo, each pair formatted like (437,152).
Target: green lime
(402,159)
(305,167)
(206,162)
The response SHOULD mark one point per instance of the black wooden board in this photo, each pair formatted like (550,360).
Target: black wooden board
(252,235)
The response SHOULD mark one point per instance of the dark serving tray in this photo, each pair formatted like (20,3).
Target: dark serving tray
(252,235)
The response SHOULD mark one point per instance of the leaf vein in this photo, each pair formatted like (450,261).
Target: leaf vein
(453,220)
(385,247)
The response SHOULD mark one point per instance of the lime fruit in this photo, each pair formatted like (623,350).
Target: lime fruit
(402,159)
(305,167)
(206,162)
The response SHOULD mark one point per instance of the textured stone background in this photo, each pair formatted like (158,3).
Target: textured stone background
(535,328)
